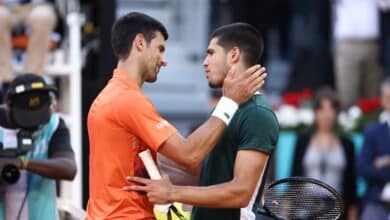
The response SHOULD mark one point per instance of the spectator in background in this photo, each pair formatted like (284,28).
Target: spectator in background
(358,72)
(384,9)
(327,156)
(374,162)
(51,158)
(312,63)
(40,18)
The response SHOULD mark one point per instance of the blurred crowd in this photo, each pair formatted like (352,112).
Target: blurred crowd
(38,18)
(343,44)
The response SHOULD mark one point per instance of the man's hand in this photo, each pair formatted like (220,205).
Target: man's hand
(158,191)
(382,161)
(241,86)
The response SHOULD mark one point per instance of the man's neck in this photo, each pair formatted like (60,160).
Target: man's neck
(132,69)
(240,67)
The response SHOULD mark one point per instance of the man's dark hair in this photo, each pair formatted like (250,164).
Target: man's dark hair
(128,26)
(244,36)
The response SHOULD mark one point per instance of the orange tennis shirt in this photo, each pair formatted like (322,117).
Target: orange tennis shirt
(121,123)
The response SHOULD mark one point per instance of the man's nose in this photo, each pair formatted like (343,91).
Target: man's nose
(205,63)
(164,62)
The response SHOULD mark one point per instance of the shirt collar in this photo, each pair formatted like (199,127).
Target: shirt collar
(258,93)
(125,78)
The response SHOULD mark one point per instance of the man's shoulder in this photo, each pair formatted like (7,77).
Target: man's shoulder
(256,115)
(117,90)
(257,107)
(61,124)
(374,127)
(113,96)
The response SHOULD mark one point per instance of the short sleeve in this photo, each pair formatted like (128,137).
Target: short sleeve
(60,140)
(258,129)
(137,114)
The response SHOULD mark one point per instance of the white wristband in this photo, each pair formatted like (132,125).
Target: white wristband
(225,109)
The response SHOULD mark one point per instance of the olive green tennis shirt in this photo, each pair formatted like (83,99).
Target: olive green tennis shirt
(255,127)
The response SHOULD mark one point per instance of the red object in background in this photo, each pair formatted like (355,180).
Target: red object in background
(369,105)
(291,98)
(297,97)
(306,94)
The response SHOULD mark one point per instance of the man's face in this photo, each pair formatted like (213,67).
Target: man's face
(215,64)
(385,97)
(154,58)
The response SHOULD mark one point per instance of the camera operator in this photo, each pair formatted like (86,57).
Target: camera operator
(26,120)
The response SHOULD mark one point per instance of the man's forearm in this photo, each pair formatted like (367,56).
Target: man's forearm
(226,195)
(55,168)
(237,89)
(202,141)
(370,172)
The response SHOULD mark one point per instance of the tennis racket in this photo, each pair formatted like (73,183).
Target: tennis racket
(154,173)
(302,198)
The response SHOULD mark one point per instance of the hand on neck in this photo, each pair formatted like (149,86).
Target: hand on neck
(239,67)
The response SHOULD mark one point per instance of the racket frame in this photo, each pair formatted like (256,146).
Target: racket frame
(302,179)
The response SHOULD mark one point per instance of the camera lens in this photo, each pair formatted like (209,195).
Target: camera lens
(10,173)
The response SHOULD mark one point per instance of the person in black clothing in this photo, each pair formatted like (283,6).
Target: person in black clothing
(384,40)
(326,155)
(373,161)
(28,110)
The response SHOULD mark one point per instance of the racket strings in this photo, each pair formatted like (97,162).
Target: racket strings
(302,200)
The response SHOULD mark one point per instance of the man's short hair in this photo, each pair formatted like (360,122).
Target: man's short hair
(128,26)
(244,36)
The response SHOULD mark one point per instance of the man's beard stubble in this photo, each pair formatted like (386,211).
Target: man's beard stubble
(220,84)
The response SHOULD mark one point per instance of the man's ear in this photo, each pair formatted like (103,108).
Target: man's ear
(235,54)
(139,42)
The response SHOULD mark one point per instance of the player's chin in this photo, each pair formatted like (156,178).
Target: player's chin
(151,79)
(214,85)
